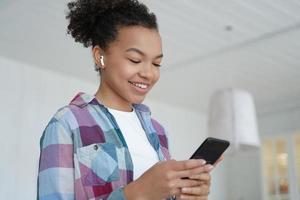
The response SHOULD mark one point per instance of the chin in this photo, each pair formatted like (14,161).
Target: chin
(138,100)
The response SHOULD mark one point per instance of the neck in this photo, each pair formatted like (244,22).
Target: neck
(111,100)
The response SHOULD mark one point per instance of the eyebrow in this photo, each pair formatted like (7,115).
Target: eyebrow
(142,53)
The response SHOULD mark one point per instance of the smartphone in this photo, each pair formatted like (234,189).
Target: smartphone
(211,150)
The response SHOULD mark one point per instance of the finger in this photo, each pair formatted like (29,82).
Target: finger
(175,192)
(197,191)
(194,171)
(205,177)
(188,164)
(182,183)
(201,182)
(192,197)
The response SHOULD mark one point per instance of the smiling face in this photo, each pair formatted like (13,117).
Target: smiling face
(131,67)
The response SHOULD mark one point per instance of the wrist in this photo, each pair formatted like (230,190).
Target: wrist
(133,191)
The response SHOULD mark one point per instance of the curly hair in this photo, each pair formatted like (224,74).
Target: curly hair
(96,22)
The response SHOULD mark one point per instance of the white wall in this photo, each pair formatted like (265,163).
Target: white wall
(244,175)
(30,96)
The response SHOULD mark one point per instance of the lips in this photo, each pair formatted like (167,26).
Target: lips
(139,85)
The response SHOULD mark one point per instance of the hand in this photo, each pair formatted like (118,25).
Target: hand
(201,191)
(164,179)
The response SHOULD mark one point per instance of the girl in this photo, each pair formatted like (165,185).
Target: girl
(107,146)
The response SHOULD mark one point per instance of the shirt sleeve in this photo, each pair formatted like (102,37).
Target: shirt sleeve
(56,167)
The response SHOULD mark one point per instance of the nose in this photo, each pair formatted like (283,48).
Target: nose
(146,71)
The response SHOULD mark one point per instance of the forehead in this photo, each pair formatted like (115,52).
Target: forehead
(145,39)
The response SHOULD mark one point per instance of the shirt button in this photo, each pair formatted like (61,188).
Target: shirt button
(95,147)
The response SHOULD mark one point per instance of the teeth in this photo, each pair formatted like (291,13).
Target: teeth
(140,85)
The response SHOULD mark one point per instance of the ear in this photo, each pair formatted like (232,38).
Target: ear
(98,56)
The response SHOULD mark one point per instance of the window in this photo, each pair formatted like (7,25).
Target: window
(297,158)
(281,167)
(275,166)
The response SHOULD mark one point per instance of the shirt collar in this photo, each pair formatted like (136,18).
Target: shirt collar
(83,99)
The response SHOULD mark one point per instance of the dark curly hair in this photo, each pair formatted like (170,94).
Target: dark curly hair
(96,22)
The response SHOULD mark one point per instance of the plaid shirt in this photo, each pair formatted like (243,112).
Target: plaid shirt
(84,154)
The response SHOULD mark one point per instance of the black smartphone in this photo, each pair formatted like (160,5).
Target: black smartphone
(211,150)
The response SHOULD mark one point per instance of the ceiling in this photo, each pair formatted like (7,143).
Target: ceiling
(208,45)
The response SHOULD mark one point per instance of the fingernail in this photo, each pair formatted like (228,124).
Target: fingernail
(182,197)
(210,167)
(202,162)
(184,189)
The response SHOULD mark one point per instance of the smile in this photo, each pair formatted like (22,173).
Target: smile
(139,85)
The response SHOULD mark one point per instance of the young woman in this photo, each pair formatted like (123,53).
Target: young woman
(107,146)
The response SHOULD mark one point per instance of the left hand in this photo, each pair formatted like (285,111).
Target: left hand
(201,191)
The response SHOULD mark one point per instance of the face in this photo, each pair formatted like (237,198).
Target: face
(131,65)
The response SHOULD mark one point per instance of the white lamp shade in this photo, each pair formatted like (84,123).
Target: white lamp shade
(232,117)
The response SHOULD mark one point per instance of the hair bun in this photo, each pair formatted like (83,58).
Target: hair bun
(95,21)
(83,15)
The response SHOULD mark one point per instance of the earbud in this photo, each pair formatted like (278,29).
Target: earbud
(102,60)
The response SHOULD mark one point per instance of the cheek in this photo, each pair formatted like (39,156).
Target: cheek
(127,71)
(122,70)
(156,75)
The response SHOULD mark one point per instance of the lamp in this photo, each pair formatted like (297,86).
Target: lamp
(232,117)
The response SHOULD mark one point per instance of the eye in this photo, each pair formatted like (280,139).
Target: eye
(156,65)
(135,61)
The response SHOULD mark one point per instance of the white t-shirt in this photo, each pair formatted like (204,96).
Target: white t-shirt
(142,153)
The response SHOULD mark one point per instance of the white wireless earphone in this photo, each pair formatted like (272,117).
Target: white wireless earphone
(102,60)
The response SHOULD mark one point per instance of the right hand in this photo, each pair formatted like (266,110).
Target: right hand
(164,179)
